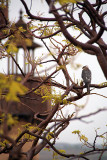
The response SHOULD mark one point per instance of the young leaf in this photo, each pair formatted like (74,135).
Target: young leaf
(15,88)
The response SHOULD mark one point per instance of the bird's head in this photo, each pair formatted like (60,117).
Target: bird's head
(85,67)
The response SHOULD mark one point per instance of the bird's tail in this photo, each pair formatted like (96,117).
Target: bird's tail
(88,88)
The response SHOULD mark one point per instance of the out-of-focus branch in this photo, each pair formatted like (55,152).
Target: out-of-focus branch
(7,138)
(31,16)
(90,114)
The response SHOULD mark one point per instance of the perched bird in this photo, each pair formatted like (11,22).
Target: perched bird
(86,76)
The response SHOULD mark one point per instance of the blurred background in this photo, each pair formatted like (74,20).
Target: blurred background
(93,102)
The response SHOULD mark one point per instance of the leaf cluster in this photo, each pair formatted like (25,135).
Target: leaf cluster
(82,137)
(9,88)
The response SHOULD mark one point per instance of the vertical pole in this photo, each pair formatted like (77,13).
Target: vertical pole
(28,67)
(24,62)
(28,60)
(12,66)
(8,69)
(33,60)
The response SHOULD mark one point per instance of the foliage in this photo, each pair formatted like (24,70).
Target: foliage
(10,88)
(62,45)
(81,136)
(10,122)
(62,2)
(56,155)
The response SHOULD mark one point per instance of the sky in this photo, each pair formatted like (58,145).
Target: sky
(94,101)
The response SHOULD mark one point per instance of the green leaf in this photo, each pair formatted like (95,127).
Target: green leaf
(76,132)
(11,120)
(15,89)
(84,138)
(68,1)
(11,48)
(22,29)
